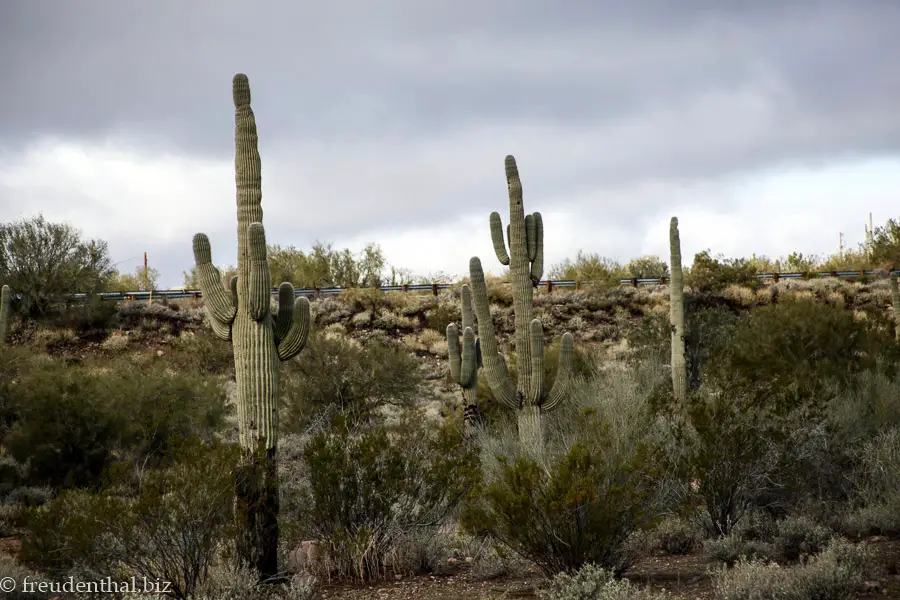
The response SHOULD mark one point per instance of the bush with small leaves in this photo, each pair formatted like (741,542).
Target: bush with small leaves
(591,582)
(676,536)
(368,488)
(10,568)
(834,574)
(799,536)
(731,548)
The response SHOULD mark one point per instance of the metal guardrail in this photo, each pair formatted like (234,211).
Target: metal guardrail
(434,288)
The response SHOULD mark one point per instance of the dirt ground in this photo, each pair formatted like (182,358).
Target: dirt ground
(684,576)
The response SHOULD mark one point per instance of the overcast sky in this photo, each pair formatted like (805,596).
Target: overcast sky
(765,126)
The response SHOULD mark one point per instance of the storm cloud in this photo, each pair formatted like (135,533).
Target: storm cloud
(757,123)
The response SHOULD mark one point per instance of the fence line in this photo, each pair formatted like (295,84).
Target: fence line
(548,284)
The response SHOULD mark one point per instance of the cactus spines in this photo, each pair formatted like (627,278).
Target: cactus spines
(525,258)
(5,298)
(895,304)
(676,314)
(465,358)
(260,341)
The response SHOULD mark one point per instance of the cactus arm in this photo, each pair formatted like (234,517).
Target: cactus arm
(530,236)
(468,318)
(537,362)
(295,339)
(453,350)
(537,258)
(895,303)
(494,366)
(5,299)
(562,385)
(676,314)
(497,238)
(220,305)
(260,279)
(469,369)
(284,318)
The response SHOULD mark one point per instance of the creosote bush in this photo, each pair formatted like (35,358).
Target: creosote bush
(366,490)
(591,582)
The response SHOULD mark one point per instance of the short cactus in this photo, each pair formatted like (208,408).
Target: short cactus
(527,396)
(676,314)
(260,341)
(5,298)
(895,303)
(465,359)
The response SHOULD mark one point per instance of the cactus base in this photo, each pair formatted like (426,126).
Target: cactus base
(256,509)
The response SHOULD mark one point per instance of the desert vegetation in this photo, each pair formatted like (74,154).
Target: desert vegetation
(718,436)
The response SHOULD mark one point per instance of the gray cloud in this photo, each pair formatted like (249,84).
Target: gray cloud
(399,114)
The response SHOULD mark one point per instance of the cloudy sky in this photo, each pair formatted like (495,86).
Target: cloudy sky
(765,126)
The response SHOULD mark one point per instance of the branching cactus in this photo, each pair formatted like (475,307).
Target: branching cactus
(465,359)
(676,314)
(525,259)
(260,341)
(5,299)
(895,303)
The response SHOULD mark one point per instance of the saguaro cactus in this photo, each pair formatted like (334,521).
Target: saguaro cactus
(465,359)
(676,314)
(260,341)
(895,303)
(5,298)
(525,259)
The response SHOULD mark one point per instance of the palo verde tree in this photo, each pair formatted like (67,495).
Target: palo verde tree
(526,395)
(260,340)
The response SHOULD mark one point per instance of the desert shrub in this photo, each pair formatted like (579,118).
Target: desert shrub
(712,274)
(73,423)
(835,574)
(91,315)
(241,583)
(441,315)
(647,267)
(798,536)
(877,485)
(201,353)
(732,548)
(9,567)
(170,531)
(591,582)
(796,353)
(581,506)
(367,489)
(676,536)
(353,380)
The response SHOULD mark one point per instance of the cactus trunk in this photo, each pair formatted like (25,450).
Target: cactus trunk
(676,314)
(260,341)
(5,298)
(895,304)
(526,395)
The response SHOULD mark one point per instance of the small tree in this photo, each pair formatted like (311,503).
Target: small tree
(44,261)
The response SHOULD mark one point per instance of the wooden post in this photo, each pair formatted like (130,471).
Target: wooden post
(662,281)
(634,281)
(434,289)
(404,287)
(316,292)
(549,286)
(775,277)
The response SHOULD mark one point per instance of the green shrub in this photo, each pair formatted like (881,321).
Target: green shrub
(365,490)
(336,375)
(712,274)
(732,548)
(591,582)
(72,423)
(677,536)
(798,536)
(835,574)
(581,507)
(9,567)
(170,531)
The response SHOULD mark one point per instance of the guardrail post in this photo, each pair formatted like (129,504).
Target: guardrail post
(316,292)
(404,287)
(834,274)
(775,277)
(549,286)
(862,274)
(434,289)
(634,281)
(662,281)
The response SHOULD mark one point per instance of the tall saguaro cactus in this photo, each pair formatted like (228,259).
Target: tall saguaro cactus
(895,304)
(465,359)
(5,298)
(525,258)
(260,341)
(676,314)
